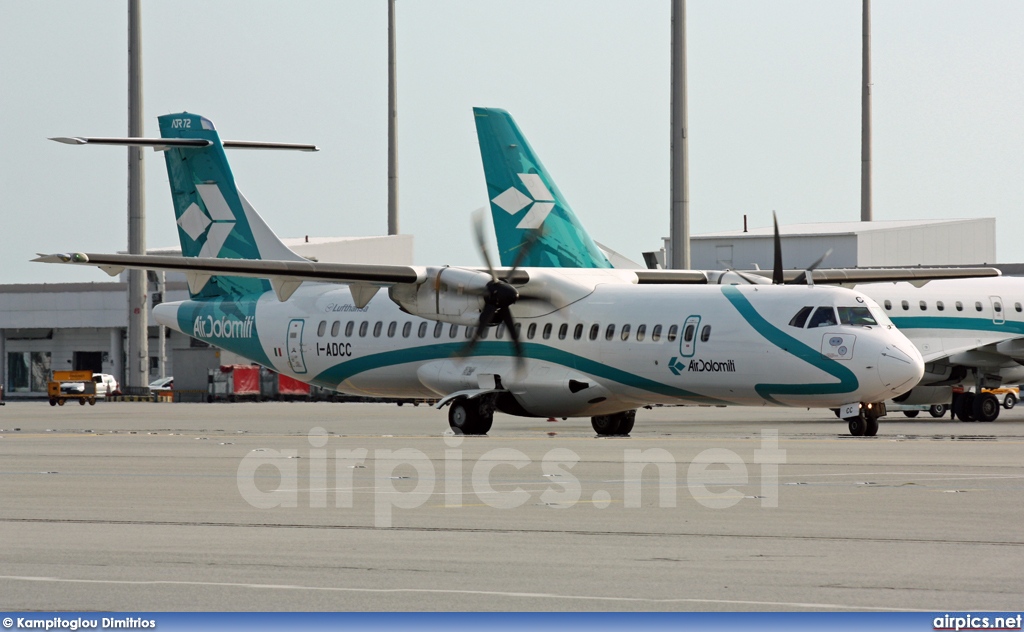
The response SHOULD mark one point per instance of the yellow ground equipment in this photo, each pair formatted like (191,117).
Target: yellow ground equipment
(71,385)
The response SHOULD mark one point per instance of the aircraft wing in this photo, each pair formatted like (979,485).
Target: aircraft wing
(284,276)
(854,276)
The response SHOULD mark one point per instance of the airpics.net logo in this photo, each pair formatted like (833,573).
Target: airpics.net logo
(977,622)
(512,201)
(387,480)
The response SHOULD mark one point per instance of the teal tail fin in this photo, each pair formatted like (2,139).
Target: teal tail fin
(524,199)
(214,219)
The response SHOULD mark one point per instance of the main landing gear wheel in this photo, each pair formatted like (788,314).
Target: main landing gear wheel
(937,410)
(963,406)
(1010,401)
(617,424)
(985,407)
(910,413)
(470,417)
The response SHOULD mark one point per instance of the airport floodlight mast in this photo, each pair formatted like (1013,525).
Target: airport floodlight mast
(137,371)
(392,126)
(865,118)
(680,212)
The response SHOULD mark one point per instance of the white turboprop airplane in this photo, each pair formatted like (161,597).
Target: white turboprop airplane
(526,341)
(965,328)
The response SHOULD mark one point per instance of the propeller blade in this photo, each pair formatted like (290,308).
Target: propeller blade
(803,276)
(777,277)
(478,231)
(526,247)
(510,325)
(485,321)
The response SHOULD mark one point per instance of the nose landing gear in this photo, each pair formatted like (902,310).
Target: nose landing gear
(865,422)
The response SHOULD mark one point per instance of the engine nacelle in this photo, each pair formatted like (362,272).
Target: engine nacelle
(451,295)
(926,396)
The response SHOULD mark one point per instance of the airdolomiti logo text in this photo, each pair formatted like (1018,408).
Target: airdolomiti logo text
(207,327)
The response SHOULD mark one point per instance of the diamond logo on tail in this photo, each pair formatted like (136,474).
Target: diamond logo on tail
(512,201)
(217,226)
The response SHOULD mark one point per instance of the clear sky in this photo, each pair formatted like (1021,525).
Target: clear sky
(774,114)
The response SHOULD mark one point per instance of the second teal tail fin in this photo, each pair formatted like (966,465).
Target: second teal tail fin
(524,198)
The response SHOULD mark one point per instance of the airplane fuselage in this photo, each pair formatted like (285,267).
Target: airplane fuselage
(619,347)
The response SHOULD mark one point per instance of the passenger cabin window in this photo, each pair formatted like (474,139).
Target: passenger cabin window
(422,332)
(348,328)
(362,328)
(996,305)
(484,333)
(454,331)
(1017,307)
(577,333)
(959,306)
(531,331)
(705,333)
(977,305)
(547,331)
(905,305)
(672,331)
(823,317)
(322,329)
(939,305)
(641,331)
(923,305)
(688,333)
(800,319)
(391,329)
(377,327)
(518,329)
(469,332)
(335,329)
(499,332)
(888,306)
(625,332)
(859,316)
(594,330)
(656,333)
(406,330)
(610,332)
(564,329)
(438,328)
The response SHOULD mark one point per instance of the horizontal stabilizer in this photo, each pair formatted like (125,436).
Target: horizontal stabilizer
(160,144)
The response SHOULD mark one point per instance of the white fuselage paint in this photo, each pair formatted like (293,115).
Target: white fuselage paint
(751,356)
(978,323)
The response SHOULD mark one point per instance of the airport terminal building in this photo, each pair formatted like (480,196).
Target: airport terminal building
(83,326)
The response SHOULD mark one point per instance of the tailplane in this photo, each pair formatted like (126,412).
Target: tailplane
(524,200)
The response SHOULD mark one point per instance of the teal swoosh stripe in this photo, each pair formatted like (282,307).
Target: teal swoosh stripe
(341,372)
(951,322)
(847,380)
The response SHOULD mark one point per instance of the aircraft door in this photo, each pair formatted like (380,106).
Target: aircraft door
(295,359)
(997,310)
(688,340)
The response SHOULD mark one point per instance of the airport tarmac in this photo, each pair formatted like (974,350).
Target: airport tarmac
(153,507)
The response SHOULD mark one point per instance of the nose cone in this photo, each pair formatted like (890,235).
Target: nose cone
(900,370)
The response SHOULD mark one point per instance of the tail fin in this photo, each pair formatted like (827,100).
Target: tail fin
(524,197)
(214,218)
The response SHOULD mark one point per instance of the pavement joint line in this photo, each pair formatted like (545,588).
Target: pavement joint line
(443,591)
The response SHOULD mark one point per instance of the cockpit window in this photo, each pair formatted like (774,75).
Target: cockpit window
(823,317)
(856,316)
(801,317)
